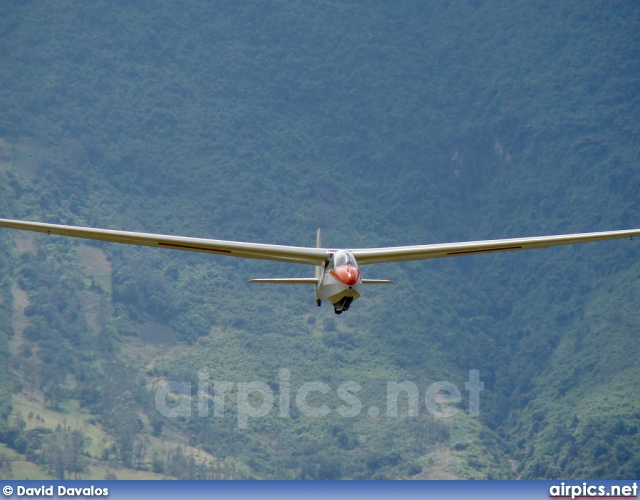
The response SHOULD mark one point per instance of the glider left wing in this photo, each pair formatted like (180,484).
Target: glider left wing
(297,255)
(286,281)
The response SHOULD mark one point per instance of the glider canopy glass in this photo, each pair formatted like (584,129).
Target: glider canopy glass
(342,258)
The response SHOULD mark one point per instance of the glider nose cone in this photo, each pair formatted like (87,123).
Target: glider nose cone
(346,274)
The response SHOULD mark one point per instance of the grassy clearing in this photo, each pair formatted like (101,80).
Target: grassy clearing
(95,264)
(20,322)
(23,470)
(70,414)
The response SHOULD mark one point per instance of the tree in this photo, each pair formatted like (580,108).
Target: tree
(52,389)
(64,452)
(18,421)
(122,422)
(53,454)
(140,452)
(75,444)
(6,470)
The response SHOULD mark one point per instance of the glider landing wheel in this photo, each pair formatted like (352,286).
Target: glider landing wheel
(319,302)
(347,303)
(343,305)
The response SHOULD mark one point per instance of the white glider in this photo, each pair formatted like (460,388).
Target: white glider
(337,277)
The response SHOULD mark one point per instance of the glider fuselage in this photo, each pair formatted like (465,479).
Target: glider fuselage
(339,281)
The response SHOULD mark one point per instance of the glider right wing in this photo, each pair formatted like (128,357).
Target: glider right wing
(419,252)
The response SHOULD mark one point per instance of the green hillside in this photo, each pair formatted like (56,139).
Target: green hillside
(381,123)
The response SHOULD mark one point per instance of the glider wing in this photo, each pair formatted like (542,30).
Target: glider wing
(419,252)
(298,255)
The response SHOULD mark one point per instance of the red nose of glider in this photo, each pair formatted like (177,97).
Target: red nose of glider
(346,274)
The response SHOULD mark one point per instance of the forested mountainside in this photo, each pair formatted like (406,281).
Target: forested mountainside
(382,123)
